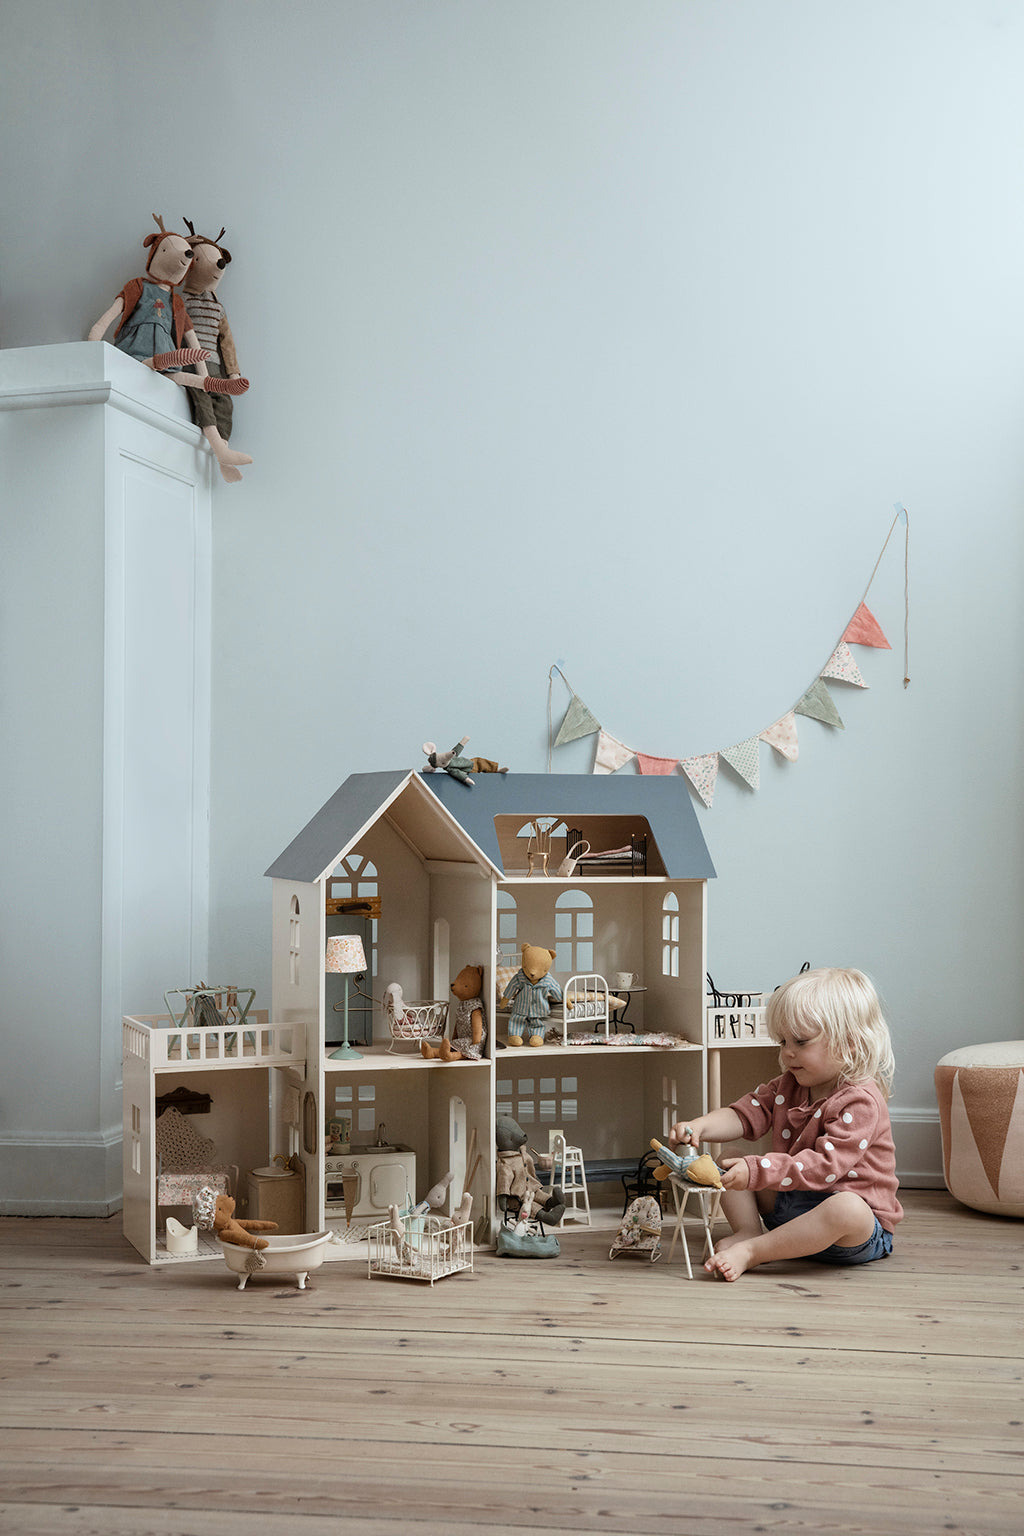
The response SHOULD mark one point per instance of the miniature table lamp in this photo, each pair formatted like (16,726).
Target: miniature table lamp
(345,956)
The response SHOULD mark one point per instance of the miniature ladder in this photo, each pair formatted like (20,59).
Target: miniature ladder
(568,1177)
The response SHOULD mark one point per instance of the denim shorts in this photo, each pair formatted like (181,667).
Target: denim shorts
(798,1202)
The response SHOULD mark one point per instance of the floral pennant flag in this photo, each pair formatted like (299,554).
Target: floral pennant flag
(818,704)
(611,754)
(702,773)
(745,759)
(782,736)
(656,764)
(578,722)
(843,666)
(864,629)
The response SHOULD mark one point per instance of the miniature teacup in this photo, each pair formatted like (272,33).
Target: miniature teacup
(626,979)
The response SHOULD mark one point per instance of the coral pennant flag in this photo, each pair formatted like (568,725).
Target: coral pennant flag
(702,773)
(656,764)
(611,754)
(864,629)
(745,759)
(782,736)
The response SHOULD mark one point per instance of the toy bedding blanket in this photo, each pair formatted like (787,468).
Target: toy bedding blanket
(554,1037)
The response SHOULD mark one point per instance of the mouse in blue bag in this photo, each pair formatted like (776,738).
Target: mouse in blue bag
(520,1194)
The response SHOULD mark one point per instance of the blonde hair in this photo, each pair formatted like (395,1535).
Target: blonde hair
(842,1008)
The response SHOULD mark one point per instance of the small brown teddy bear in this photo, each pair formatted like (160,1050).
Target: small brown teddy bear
(529,995)
(469,1032)
(230,1230)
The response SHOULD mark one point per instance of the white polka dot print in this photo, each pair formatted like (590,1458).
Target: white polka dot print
(830,1178)
(785,1182)
(779,1099)
(862,1145)
(766,1162)
(847,1118)
(786,1135)
(853,1173)
(817,1114)
(756,1102)
(829,1147)
(800,1167)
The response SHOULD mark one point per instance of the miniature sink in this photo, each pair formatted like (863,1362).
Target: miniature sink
(272,1173)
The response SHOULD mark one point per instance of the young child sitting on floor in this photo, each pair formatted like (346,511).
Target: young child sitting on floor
(827,1188)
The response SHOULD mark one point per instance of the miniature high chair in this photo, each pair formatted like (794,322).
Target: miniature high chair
(568,1177)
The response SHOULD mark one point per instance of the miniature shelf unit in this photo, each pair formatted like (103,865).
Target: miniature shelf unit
(432,875)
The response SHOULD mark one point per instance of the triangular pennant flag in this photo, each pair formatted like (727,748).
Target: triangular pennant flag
(702,773)
(745,759)
(782,736)
(611,754)
(864,629)
(656,764)
(818,704)
(843,666)
(578,722)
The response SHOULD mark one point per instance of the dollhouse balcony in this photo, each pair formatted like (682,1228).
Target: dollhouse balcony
(156,1041)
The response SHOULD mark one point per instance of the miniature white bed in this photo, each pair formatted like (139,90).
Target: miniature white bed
(586,999)
(286,1254)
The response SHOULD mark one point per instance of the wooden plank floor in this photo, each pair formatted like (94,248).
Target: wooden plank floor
(555,1396)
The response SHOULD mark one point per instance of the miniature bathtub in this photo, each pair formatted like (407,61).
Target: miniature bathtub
(286,1254)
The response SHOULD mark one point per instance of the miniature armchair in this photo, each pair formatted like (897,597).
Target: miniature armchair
(186,1161)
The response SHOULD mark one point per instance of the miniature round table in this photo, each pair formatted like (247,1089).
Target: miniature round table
(620,1018)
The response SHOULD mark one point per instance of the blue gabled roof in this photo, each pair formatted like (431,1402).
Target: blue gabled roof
(355,805)
(664,801)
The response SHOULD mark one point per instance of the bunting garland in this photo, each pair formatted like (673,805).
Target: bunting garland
(815,703)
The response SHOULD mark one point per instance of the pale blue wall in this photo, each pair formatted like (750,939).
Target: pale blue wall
(607,332)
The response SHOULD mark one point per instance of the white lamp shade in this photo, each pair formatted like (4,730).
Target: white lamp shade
(345,954)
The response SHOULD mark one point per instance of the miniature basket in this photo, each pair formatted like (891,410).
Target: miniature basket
(415,1021)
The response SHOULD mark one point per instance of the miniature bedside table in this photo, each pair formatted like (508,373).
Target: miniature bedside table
(620,1019)
(709,1200)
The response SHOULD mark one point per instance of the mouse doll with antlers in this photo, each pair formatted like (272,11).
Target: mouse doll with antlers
(153,324)
(212,413)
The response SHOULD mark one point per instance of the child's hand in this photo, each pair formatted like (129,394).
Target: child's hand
(735,1173)
(685,1133)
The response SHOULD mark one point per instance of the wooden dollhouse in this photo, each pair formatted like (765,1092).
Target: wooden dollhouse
(433,875)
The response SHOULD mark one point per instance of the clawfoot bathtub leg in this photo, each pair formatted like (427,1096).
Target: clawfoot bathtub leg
(302,1279)
(241,1282)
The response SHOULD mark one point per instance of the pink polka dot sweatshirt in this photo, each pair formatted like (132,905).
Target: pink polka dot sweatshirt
(842,1142)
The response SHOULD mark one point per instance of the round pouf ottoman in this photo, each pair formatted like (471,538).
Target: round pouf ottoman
(980,1089)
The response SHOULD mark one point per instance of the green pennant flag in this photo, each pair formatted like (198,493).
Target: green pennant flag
(578,722)
(818,704)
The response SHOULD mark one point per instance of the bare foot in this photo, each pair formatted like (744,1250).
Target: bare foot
(728,1263)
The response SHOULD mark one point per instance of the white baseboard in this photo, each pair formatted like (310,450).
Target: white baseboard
(918,1141)
(73,1173)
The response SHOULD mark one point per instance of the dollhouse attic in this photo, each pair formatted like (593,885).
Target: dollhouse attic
(472,820)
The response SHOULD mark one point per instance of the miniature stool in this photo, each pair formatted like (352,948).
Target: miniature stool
(568,1177)
(980,1089)
(709,1200)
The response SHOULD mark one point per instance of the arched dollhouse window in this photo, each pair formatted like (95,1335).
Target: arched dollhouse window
(356,876)
(507,923)
(574,933)
(670,935)
(293,941)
